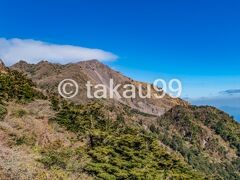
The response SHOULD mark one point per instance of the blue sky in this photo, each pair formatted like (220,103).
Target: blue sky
(195,41)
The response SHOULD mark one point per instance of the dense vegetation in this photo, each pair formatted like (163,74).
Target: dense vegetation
(222,123)
(197,145)
(182,144)
(16,86)
(120,151)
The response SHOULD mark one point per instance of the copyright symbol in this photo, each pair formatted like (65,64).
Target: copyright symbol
(68,88)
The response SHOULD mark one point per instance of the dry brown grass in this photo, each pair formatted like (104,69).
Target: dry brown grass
(23,137)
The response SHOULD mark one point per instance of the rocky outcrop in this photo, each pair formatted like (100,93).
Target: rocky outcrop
(3,68)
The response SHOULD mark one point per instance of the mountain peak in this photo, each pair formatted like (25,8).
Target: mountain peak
(48,75)
(21,62)
(93,62)
(43,62)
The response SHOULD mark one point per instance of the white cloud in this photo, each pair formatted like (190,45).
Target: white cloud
(32,51)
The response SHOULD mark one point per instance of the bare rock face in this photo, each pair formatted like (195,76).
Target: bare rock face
(48,76)
(3,68)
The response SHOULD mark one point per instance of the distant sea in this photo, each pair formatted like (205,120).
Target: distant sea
(237,118)
(233,111)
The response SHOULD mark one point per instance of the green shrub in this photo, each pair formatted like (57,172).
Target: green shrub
(20,113)
(117,150)
(55,157)
(15,85)
(3,112)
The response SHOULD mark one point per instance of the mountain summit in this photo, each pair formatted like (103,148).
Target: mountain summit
(48,76)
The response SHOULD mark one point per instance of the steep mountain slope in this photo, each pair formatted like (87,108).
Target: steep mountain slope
(88,144)
(48,76)
(206,137)
(108,139)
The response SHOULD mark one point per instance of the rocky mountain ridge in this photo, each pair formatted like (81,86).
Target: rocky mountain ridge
(48,76)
